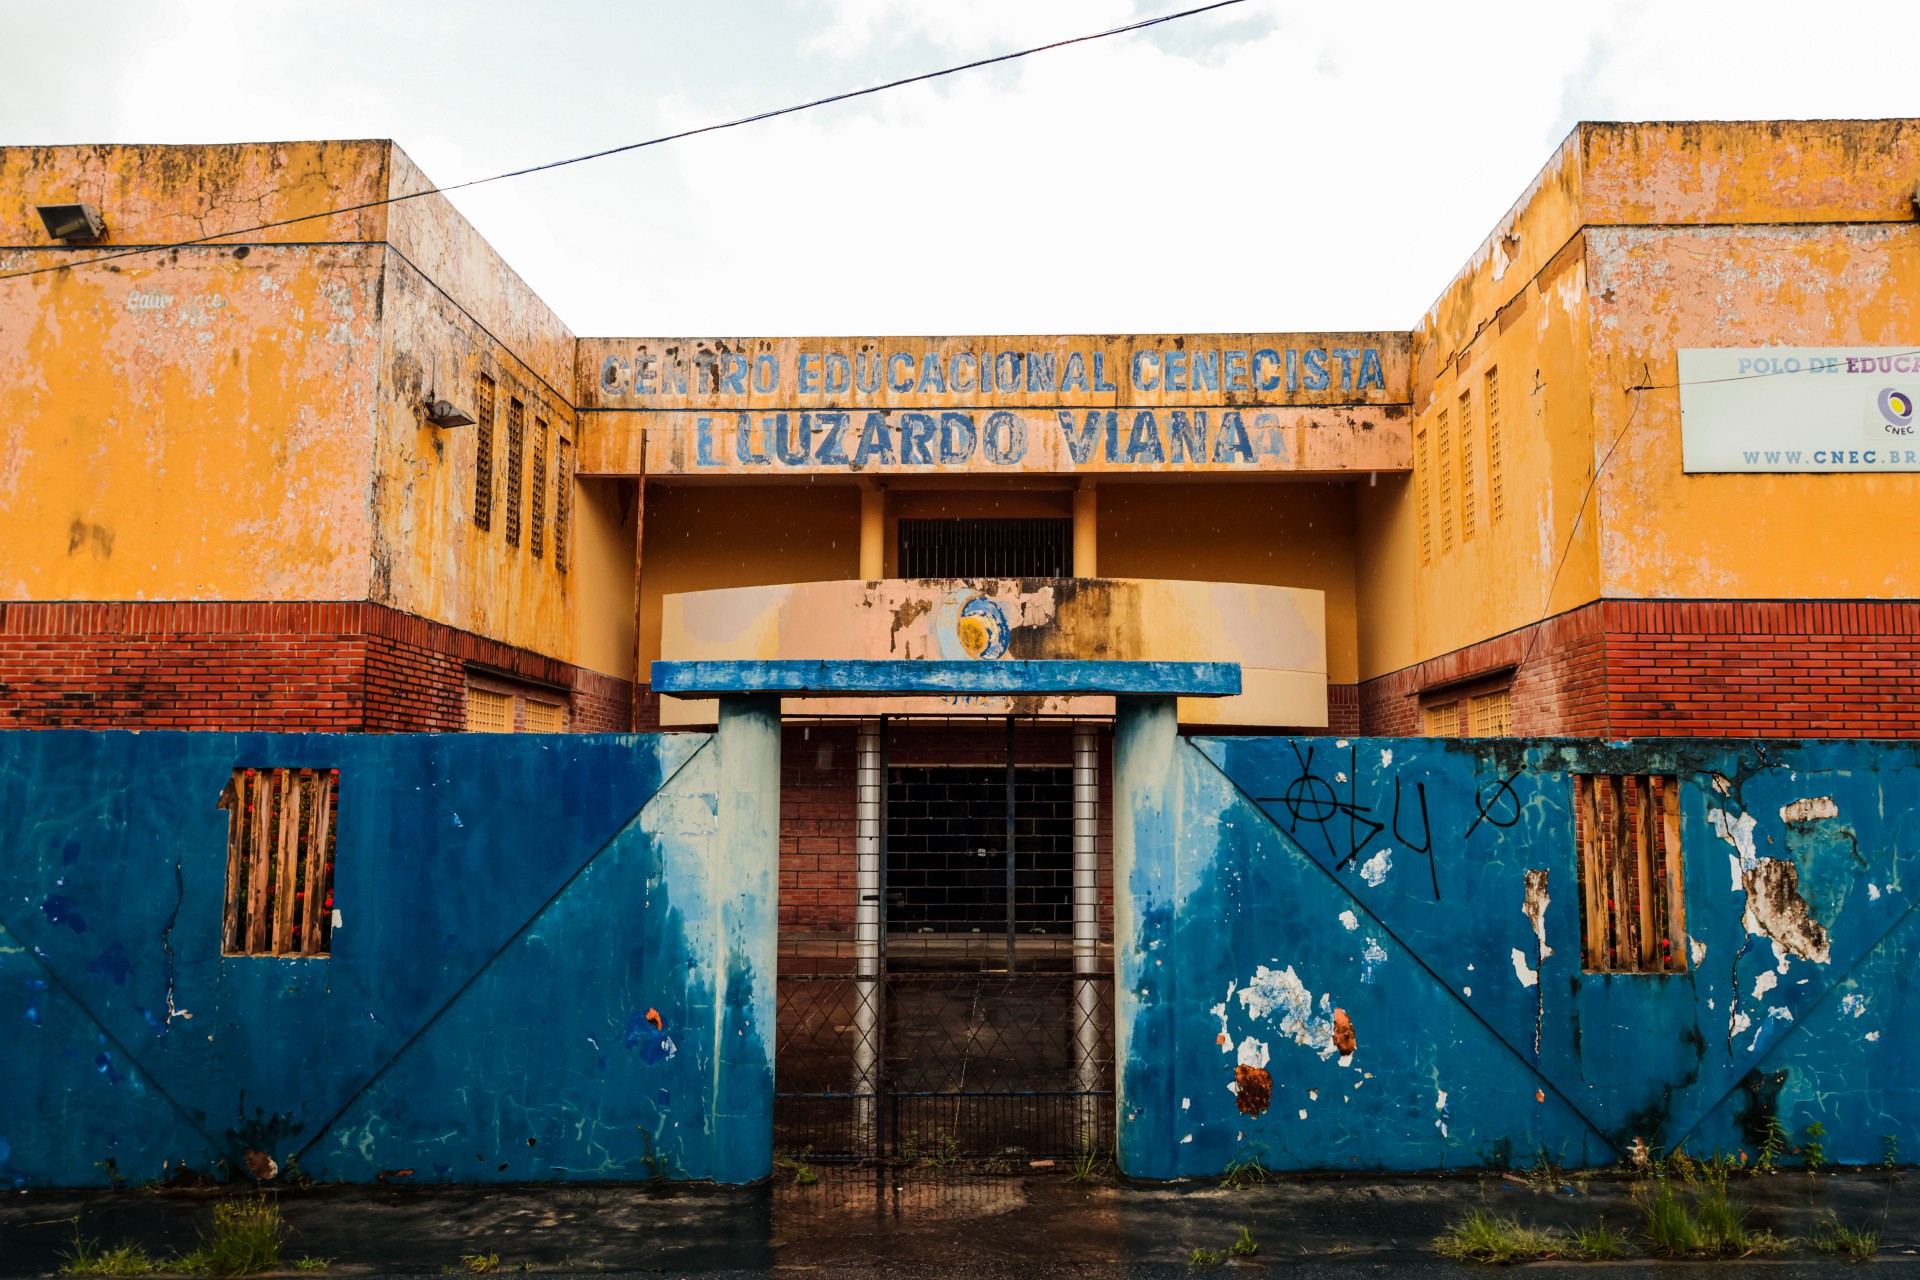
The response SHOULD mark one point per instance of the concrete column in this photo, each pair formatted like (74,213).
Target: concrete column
(1145,830)
(869,918)
(1089,1019)
(1086,529)
(640,672)
(743,887)
(873,534)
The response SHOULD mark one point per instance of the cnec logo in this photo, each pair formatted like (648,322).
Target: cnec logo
(1896,410)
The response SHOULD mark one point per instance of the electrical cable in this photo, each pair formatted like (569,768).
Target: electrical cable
(635,146)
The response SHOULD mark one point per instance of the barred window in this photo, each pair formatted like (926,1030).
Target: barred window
(516,451)
(1632,911)
(545,717)
(1443,720)
(1496,495)
(562,499)
(537,524)
(281,827)
(1490,715)
(489,711)
(483,455)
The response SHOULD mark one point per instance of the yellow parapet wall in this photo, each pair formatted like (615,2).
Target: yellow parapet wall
(1276,634)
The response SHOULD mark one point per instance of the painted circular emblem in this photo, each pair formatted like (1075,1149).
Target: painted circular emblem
(982,628)
(1896,406)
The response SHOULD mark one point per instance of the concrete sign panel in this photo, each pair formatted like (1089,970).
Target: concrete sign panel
(772,407)
(1798,409)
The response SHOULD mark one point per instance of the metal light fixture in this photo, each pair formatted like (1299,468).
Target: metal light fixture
(72,221)
(444,413)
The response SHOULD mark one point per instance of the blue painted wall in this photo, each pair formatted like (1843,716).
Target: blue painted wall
(511,909)
(1272,889)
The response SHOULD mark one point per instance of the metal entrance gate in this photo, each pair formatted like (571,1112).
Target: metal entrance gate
(977,1022)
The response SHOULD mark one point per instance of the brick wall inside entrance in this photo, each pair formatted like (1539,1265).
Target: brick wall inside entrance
(817,811)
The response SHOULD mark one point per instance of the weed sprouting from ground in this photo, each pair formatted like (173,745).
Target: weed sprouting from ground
(1708,1223)
(1203,1258)
(803,1173)
(1814,1149)
(88,1258)
(478,1264)
(246,1238)
(1485,1236)
(1246,1246)
(1597,1242)
(312,1264)
(1773,1145)
(1088,1165)
(1243,1172)
(1855,1243)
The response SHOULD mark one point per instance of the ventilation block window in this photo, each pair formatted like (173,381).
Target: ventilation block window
(516,454)
(1496,462)
(562,500)
(280,847)
(1443,720)
(1423,466)
(1632,914)
(489,711)
(483,455)
(1446,482)
(545,717)
(537,522)
(1490,715)
(1469,497)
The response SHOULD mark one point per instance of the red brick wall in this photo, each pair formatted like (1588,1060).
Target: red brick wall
(284,667)
(1632,668)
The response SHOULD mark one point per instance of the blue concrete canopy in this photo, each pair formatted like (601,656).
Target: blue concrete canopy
(857,677)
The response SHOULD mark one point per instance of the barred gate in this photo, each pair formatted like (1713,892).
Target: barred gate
(944,1064)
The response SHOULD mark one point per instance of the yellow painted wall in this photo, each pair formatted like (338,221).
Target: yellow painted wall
(194,425)
(603,585)
(1287,534)
(703,536)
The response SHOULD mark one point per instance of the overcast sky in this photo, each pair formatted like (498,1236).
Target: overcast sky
(1274,165)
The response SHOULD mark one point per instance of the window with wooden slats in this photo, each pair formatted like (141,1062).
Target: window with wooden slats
(483,454)
(1496,460)
(1444,431)
(281,826)
(1469,498)
(562,500)
(516,456)
(1422,464)
(1442,720)
(1632,909)
(489,711)
(545,717)
(537,520)
(1490,715)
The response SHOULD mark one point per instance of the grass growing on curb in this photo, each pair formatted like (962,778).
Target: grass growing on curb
(479,1264)
(1713,1225)
(1203,1258)
(1087,1166)
(1485,1236)
(246,1238)
(1246,1246)
(312,1264)
(1597,1242)
(1243,1172)
(1855,1243)
(87,1258)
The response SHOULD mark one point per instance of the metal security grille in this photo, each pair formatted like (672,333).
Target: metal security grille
(986,548)
(972,1065)
(947,850)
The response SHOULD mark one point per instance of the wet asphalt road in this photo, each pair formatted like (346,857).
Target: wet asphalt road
(938,1224)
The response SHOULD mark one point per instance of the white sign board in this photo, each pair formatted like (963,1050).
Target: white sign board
(1799,408)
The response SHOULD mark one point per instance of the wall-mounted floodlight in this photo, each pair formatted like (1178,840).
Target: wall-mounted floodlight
(72,221)
(444,413)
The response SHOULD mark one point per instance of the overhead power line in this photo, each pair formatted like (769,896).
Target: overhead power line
(636,146)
